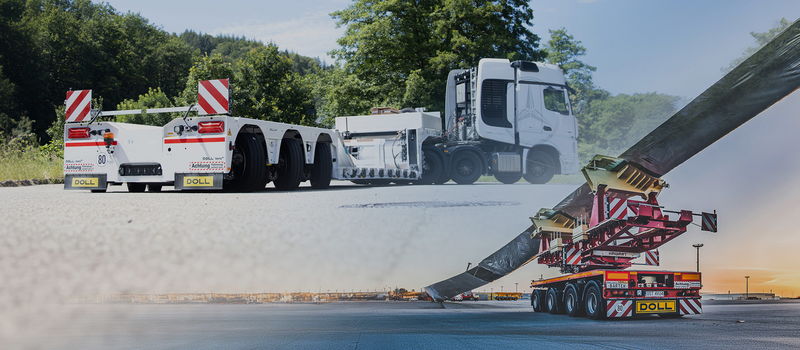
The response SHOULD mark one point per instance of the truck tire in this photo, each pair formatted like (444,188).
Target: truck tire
(432,167)
(508,178)
(540,167)
(537,300)
(249,164)
(136,187)
(466,167)
(323,166)
(593,302)
(290,165)
(572,303)
(154,187)
(553,302)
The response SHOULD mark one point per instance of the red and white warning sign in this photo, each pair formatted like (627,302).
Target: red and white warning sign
(651,257)
(213,97)
(79,104)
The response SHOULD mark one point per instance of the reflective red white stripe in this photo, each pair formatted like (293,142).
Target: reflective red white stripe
(619,308)
(690,306)
(651,257)
(213,97)
(87,143)
(572,255)
(616,208)
(78,104)
(195,140)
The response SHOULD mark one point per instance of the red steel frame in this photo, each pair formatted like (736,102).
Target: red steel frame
(646,227)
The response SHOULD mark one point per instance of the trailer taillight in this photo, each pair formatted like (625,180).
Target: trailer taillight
(78,133)
(212,127)
(687,276)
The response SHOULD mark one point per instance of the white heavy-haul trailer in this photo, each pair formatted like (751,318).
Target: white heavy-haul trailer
(501,118)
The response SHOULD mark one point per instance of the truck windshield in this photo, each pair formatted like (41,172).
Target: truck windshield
(555,100)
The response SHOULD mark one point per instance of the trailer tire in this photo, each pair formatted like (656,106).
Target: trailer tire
(594,304)
(323,166)
(572,304)
(101,190)
(540,167)
(553,302)
(432,167)
(466,167)
(136,187)
(290,165)
(250,170)
(154,187)
(508,178)
(537,300)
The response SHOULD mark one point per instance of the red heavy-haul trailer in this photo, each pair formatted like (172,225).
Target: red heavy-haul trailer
(626,223)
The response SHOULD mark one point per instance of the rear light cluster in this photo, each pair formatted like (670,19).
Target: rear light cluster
(211,127)
(619,293)
(78,133)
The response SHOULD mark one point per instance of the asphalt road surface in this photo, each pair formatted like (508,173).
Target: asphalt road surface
(416,325)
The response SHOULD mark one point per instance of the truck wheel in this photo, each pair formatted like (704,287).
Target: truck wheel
(290,165)
(508,178)
(466,167)
(593,302)
(154,187)
(537,300)
(136,187)
(249,164)
(553,302)
(323,166)
(432,167)
(572,304)
(102,190)
(540,167)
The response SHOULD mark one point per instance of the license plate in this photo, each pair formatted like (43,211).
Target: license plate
(198,181)
(655,306)
(85,182)
(654,293)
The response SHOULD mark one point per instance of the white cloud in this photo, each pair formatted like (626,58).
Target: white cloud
(312,34)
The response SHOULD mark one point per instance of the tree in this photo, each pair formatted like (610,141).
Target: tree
(565,51)
(761,40)
(385,42)
(154,98)
(267,88)
(339,93)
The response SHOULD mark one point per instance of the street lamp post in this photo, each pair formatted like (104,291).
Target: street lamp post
(698,246)
(516,284)
(746,287)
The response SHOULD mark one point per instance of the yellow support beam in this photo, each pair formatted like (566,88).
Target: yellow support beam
(552,221)
(621,175)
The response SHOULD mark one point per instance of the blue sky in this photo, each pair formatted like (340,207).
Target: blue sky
(676,47)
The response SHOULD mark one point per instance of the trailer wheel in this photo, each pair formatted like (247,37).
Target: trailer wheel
(508,178)
(102,190)
(540,167)
(466,167)
(290,165)
(432,167)
(593,302)
(537,300)
(553,302)
(323,166)
(249,168)
(136,187)
(572,304)
(154,187)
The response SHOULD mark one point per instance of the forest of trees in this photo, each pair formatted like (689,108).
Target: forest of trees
(392,53)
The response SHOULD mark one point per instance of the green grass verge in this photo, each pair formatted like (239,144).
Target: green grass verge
(30,164)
